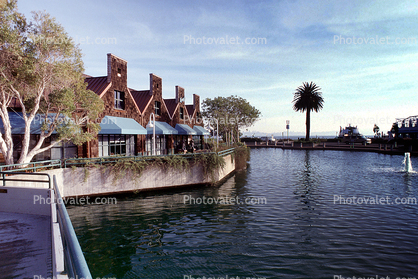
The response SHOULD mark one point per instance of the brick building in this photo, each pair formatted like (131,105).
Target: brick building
(127,111)
(176,122)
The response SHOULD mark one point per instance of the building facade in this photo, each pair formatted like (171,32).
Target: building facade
(175,121)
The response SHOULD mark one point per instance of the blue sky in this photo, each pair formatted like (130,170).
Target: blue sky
(363,54)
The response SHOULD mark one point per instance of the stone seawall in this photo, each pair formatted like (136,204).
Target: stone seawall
(91,181)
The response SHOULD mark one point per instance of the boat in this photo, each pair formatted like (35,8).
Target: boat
(351,134)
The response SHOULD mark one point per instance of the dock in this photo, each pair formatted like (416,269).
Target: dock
(37,239)
(391,149)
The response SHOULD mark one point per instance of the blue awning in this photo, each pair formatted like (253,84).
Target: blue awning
(111,125)
(183,129)
(18,123)
(201,131)
(162,128)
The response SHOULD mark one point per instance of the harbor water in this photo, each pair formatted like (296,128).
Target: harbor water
(291,214)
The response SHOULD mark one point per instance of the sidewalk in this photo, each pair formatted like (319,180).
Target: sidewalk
(25,245)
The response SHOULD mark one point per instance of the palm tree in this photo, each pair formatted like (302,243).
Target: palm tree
(308,98)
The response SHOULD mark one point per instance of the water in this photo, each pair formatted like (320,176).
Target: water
(309,227)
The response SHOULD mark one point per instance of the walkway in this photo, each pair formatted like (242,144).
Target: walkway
(25,245)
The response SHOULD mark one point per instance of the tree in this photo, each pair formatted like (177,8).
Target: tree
(308,98)
(376,130)
(232,113)
(41,70)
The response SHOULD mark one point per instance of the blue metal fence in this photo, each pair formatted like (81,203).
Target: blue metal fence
(31,166)
(74,261)
(78,162)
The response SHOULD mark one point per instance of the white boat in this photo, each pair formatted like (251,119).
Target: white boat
(351,134)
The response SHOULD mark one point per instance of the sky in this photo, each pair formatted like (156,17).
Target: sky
(362,54)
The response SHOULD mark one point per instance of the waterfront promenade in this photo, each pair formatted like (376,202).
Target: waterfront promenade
(374,147)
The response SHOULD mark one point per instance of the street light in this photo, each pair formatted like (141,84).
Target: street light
(287,128)
(217,131)
(152,125)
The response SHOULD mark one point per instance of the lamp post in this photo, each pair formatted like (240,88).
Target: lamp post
(217,133)
(152,125)
(287,128)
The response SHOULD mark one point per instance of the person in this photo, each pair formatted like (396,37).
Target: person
(193,149)
(184,147)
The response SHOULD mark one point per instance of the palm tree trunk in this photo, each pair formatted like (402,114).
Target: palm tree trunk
(308,123)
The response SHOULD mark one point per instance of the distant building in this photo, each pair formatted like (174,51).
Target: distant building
(407,127)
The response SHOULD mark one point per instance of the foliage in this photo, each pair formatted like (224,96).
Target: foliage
(122,166)
(232,113)
(241,156)
(177,162)
(308,98)
(211,163)
(42,72)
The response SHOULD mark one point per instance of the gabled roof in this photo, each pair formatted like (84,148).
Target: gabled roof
(171,106)
(190,110)
(142,98)
(98,85)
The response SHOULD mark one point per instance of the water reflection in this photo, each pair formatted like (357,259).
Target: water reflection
(299,233)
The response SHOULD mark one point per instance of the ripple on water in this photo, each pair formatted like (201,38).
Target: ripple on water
(302,232)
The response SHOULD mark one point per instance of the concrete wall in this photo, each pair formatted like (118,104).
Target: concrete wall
(100,180)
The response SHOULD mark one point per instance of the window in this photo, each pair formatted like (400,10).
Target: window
(157,108)
(116,145)
(119,72)
(119,100)
(181,113)
(160,144)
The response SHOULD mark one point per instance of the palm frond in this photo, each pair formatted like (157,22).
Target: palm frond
(308,97)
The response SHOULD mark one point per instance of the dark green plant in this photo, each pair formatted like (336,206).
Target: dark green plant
(308,97)
(177,162)
(241,155)
(211,163)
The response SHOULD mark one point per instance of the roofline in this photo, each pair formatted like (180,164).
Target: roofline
(171,116)
(117,57)
(150,99)
(105,90)
(136,105)
(155,75)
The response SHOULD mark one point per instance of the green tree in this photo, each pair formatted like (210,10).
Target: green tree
(42,71)
(232,113)
(308,98)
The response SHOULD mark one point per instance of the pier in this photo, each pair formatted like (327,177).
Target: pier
(391,149)
(37,238)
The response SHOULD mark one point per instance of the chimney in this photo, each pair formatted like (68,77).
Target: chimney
(109,67)
(116,69)
(196,102)
(156,86)
(179,94)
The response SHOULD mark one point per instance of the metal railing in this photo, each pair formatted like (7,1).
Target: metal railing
(114,159)
(78,162)
(226,152)
(34,166)
(74,261)
(6,176)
